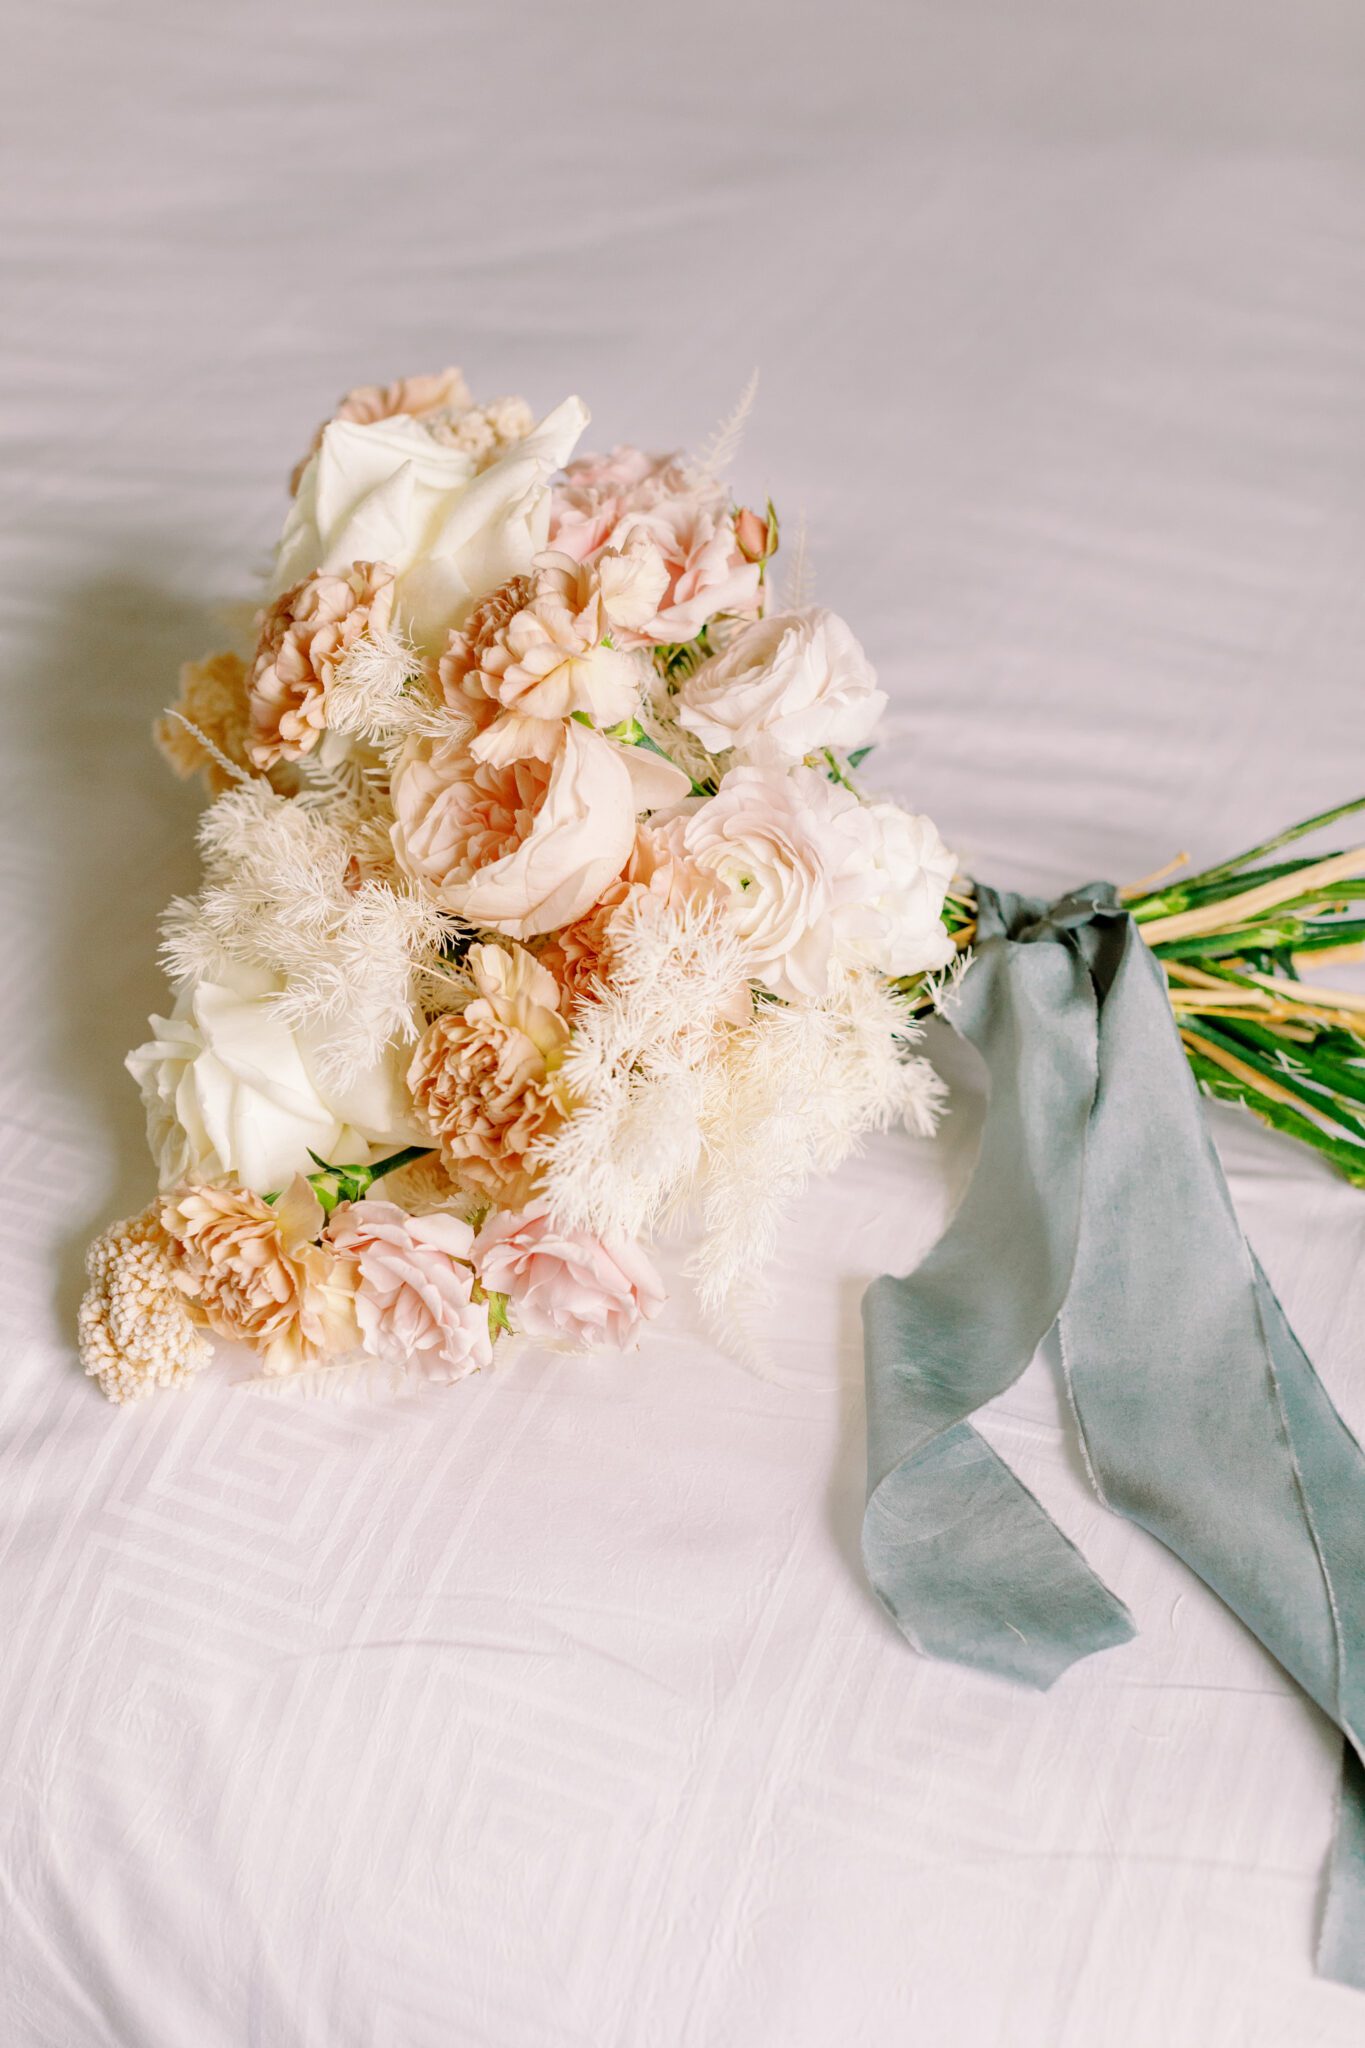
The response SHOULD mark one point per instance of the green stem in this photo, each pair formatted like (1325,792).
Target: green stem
(1244,860)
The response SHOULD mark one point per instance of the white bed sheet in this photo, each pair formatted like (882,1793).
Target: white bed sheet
(553,1709)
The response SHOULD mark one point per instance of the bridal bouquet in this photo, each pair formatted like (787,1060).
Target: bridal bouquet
(541,903)
(542,906)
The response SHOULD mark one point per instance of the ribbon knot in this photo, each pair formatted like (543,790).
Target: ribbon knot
(1098,1205)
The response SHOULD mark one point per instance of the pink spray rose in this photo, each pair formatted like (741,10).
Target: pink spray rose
(566,1285)
(415,1293)
(604,501)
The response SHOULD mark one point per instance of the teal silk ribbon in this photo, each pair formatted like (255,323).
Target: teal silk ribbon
(1098,1204)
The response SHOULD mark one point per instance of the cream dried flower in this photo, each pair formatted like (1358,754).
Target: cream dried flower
(305,636)
(213,699)
(485,431)
(483,1079)
(136,1329)
(257,1274)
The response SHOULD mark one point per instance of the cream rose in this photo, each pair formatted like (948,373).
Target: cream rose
(783,687)
(230,1090)
(526,846)
(390,492)
(816,878)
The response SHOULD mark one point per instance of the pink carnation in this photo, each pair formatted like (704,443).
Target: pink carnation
(415,1297)
(566,1285)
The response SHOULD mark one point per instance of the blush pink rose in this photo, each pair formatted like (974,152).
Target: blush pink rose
(415,1293)
(567,1286)
(604,501)
(524,846)
(518,847)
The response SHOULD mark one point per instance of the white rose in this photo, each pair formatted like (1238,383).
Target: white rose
(817,878)
(231,1090)
(782,688)
(389,492)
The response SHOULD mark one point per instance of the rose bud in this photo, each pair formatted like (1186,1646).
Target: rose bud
(755,536)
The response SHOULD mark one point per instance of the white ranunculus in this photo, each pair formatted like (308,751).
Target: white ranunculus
(389,492)
(892,919)
(784,687)
(817,879)
(231,1090)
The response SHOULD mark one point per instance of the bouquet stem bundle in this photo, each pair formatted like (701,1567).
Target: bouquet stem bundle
(1236,942)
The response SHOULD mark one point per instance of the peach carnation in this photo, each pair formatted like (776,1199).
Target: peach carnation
(305,635)
(213,697)
(415,1293)
(567,1285)
(420,396)
(257,1275)
(540,650)
(483,1079)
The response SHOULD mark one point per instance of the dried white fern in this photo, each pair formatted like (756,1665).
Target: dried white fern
(720,449)
(637,1070)
(304,889)
(796,574)
(794,1094)
(384,694)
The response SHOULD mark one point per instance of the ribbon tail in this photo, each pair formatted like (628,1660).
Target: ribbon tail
(962,1555)
(1203,1419)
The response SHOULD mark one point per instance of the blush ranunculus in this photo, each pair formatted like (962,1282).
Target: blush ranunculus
(818,879)
(784,687)
(567,1286)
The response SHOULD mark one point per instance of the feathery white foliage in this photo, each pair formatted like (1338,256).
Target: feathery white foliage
(671,1102)
(794,1094)
(796,576)
(638,1068)
(381,693)
(719,451)
(280,893)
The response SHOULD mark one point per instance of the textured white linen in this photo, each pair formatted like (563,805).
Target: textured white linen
(551,1708)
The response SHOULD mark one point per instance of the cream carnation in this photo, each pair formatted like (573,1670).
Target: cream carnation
(134,1325)
(816,878)
(390,492)
(529,845)
(230,1089)
(783,687)
(567,1286)
(414,1296)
